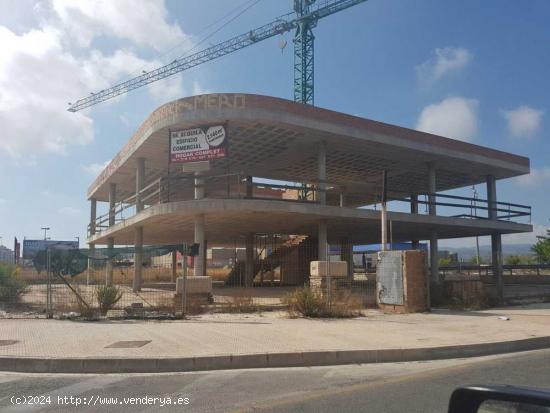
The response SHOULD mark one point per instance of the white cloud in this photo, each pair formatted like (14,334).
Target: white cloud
(445,60)
(523,121)
(199,90)
(172,88)
(67,210)
(167,89)
(95,169)
(453,117)
(41,69)
(538,178)
(144,24)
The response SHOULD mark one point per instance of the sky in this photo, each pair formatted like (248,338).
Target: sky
(470,70)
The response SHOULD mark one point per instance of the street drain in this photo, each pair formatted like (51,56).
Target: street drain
(8,342)
(128,344)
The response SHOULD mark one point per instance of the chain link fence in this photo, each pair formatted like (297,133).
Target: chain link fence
(92,283)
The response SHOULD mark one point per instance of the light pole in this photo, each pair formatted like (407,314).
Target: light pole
(45,230)
(78,241)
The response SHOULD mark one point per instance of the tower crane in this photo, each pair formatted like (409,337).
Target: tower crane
(303,20)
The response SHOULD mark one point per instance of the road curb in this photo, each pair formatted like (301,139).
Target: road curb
(262,360)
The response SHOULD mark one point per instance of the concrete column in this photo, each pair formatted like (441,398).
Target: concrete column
(434,259)
(249,187)
(91,247)
(496,255)
(346,254)
(199,239)
(112,204)
(174,266)
(322,172)
(415,243)
(199,186)
(432,188)
(140,180)
(93,215)
(249,260)
(109,263)
(491,197)
(496,239)
(90,270)
(414,204)
(138,258)
(322,241)
(204,256)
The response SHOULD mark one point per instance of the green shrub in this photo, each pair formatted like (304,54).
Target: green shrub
(513,260)
(107,296)
(303,302)
(11,286)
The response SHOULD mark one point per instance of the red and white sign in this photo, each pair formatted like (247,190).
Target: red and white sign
(198,144)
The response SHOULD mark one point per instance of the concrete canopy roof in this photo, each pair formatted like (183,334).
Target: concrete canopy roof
(277,139)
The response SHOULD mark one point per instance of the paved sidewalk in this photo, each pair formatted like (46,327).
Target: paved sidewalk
(234,335)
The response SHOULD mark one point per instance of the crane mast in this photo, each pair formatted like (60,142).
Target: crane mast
(306,18)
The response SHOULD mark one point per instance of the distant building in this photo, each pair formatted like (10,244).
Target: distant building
(6,255)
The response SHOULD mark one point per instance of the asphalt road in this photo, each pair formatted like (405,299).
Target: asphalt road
(393,387)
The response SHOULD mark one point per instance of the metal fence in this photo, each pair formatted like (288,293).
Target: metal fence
(71,283)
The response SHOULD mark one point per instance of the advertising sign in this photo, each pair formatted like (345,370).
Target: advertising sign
(32,246)
(198,144)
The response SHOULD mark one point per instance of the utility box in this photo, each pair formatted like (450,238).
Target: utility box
(402,281)
(321,268)
(194,285)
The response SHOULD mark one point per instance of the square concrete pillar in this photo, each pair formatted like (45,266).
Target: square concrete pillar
(434,258)
(90,270)
(322,173)
(249,260)
(200,270)
(109,263)
(249,187)
(322,241)
(496,239)
(432,189)
(346,254)
(112,203)
(434,255)
(93,215)
(140,180)
(138,259)
(496,256)
(199,186)
(174,266)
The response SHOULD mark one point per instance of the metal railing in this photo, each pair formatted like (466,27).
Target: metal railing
(237,186)
(487,269)
(472,205)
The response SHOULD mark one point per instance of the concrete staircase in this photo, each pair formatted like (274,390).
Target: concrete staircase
(264,265)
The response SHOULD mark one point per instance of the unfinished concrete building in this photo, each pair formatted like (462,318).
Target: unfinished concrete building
(300,173)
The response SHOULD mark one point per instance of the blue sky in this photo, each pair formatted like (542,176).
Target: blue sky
(471,70)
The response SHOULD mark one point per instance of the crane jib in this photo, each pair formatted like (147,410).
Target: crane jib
(303,83)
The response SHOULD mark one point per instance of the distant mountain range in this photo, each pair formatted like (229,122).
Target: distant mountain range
(467,253)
